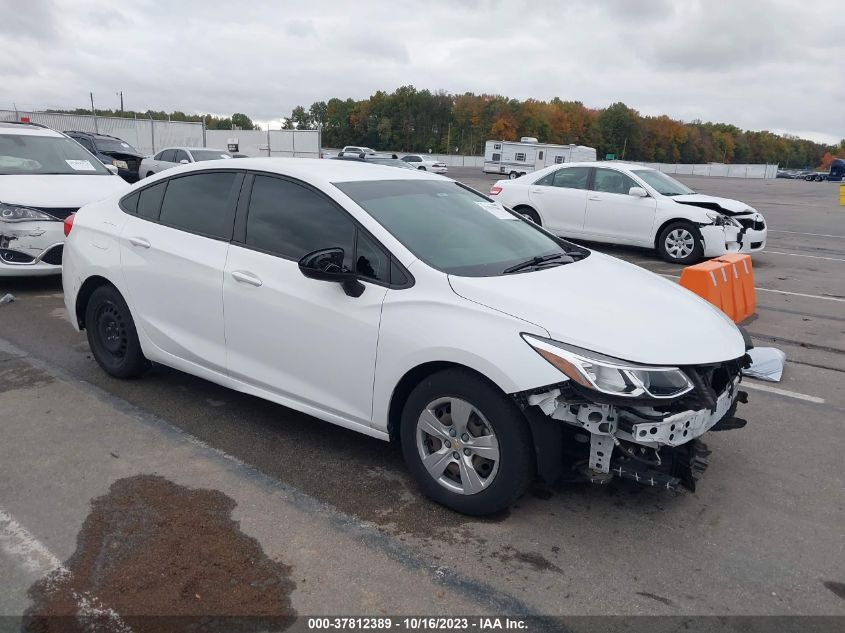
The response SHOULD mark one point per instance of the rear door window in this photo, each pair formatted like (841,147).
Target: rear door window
(149,201)
(168,155)
(566,178)
(202,203)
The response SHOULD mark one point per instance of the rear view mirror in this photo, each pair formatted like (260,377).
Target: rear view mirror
(326,264)
(638,192)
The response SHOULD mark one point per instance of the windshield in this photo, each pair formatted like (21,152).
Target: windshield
(114,145)
(662,183)
(209,154)
(454,229)
(28,154)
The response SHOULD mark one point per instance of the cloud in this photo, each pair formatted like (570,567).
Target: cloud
(760,64)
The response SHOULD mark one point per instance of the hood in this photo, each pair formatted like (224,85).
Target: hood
(722,205)
(609,306)
(122,155)
(63,191)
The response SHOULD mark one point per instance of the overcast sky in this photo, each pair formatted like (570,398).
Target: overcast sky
(775,64)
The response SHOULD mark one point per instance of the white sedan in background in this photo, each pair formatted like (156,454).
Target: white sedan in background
(424,162)
(633,205)
(175,156)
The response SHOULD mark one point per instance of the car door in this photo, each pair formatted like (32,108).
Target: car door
(613,214)
(303,340)
(173,251)
(561,199)
(165,160)
(180,157)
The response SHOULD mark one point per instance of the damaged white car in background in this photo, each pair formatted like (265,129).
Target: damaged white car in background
(618,203)
(44,178)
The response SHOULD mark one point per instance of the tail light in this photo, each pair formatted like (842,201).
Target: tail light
(495,190)
(68,223)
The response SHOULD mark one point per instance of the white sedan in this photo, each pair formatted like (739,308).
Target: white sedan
(620,203)
(424,162)
(175,156)
(288,279)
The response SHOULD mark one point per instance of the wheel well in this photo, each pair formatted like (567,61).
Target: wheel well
(407,383)
(668,222)
(528,207)
(84,294)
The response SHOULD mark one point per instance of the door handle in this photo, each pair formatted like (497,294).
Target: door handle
(247,278)
(593,198)
(537,190)
(139,241)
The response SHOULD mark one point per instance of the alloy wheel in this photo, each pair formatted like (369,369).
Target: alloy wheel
(679,243)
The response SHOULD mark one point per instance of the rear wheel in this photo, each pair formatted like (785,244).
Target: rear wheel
(112,335)
(466,444)
(149,173)
(513,175)
(680,243)
(529,214)
(421,168)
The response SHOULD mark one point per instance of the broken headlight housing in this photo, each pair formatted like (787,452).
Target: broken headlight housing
(17,213)
(719,219)
(610,375)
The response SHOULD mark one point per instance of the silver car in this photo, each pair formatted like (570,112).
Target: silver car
(174,156)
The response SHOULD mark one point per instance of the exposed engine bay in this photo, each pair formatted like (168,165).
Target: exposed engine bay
(654,443)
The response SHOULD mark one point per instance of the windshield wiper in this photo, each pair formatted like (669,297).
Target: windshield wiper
(539,261)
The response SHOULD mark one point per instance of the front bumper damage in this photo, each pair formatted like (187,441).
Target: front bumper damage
(31,248)
(654,443)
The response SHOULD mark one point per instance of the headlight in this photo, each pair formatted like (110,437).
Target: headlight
(14,213)
(722,220)
(120,164)
(611,375)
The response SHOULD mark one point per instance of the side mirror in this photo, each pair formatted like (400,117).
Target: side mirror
(326,264)
(112,169)
(184,161)
(638,192)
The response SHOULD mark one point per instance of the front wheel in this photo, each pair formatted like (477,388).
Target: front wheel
(111,334)
(680,243)
(421,168)
(529,214)
(466,444)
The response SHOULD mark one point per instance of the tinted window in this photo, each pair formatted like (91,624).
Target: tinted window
(290,220)
(130,203)
(612,181)
(167,155)
(85,143)
(567,178)
(497,158)
(180,155)
(159,156)
(149,201)
(370,259)
(201,203)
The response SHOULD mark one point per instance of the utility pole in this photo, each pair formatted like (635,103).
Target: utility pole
(94,113)
(121,101)
(624,147)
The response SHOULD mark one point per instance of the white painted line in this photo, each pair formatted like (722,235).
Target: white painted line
(839,237)
(780,292)
(34,557)
(781,392)
(830,259)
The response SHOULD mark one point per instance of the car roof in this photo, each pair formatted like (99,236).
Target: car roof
(28,129)
(94,134)
(190,149)
(313,170)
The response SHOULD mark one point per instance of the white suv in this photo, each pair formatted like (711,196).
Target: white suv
(406,306)
(44,177)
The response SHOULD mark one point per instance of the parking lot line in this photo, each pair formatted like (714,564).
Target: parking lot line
(839,237)
(781,392)
(780,292)
(830,259)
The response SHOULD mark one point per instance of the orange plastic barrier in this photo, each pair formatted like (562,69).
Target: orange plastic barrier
(727,282)
(745,297)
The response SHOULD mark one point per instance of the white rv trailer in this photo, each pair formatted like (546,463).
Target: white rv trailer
(519,158)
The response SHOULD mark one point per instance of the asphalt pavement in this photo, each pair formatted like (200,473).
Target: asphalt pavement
(762,535)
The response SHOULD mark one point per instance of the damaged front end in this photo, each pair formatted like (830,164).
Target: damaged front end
(31,239)
(647,432)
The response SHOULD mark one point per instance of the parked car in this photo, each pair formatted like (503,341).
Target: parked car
(111,150)
(44,177)
(390,160)
(618,203)
(174,156)
(425,163)
(287,278)
(354,149)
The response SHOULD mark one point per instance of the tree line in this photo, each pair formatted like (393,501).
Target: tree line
(420,120)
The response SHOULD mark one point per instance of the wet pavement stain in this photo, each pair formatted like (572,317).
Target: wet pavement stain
(654,596)
(17,374)
(535,560)
(164,557)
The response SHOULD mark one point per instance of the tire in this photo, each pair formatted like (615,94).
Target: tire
(112,336)
(149,173)
(493,482)
(421,168)
(684,241)
(529,214)
(513,175)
